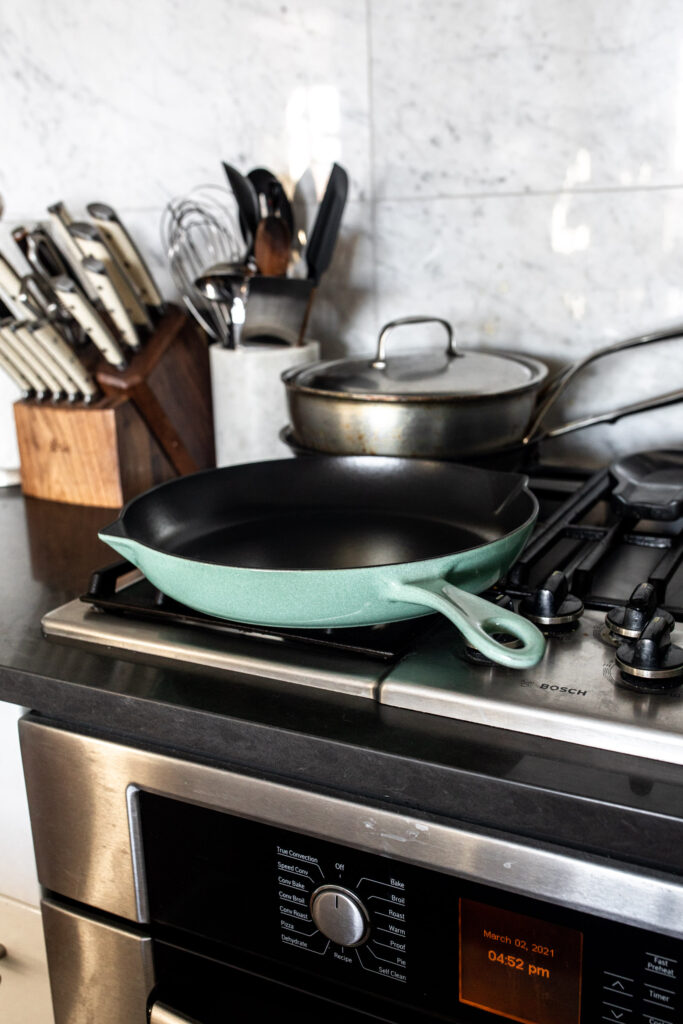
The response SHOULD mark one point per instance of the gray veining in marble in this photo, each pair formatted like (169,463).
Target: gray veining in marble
(517,167)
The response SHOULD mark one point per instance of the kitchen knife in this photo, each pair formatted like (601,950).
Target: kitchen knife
(14,373)
(57,381)
(127,253)
(90,320)
(39,299)
(93,245)
(64,356)
(111,300)
(10,282)
(60,219)
(14,350)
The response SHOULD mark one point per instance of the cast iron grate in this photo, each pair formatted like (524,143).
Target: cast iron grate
(110,591)
(603,553)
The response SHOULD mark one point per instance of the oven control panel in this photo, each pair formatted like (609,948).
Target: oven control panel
(327,908)
(343,923)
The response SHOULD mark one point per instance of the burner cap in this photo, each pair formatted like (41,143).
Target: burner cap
(652,664)
(551,605)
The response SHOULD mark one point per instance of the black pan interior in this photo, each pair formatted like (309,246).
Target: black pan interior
(329,512)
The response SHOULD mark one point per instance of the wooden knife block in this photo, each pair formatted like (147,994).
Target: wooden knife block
(153,422)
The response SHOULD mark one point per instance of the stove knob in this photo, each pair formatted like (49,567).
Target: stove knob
(552,604)
(630,621)
(652,664)
(340,915)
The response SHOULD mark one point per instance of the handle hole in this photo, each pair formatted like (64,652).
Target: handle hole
(504,639)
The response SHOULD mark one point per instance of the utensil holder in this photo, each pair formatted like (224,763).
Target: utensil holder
(153,422)
(249,399)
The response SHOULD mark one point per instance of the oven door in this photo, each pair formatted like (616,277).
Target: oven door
(179,887)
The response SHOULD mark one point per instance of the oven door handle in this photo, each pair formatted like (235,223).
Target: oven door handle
(160,1013)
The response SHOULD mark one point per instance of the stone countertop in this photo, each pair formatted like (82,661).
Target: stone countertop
(489,778)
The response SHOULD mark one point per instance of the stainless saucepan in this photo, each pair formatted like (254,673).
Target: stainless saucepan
(447,404)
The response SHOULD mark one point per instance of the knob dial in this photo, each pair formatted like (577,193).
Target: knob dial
(340,915)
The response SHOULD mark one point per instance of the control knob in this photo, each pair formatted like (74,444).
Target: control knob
(552,605)
(652,663)
(340,915)
(629,622)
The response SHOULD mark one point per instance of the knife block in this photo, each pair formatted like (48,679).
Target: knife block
(152,423)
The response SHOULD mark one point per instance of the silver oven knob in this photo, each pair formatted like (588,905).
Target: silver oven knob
(340,915)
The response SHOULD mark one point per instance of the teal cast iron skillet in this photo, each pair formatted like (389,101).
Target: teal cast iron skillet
(338,541)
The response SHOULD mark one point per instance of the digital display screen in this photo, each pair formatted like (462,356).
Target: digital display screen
(519,967)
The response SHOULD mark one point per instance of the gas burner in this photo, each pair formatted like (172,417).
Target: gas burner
(628,623)
(652,664)
(551,606)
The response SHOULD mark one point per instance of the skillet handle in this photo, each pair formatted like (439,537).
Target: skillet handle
(477,619)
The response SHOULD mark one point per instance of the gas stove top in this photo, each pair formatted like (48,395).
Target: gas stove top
(602,576)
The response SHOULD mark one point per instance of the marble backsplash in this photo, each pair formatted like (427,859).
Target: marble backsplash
(516,166)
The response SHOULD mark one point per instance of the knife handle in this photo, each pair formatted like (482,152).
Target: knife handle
(64,356)
(127,252)
(14,373)
(111,300)
(10,281)
(11,347)
(94,246)
(60,219)
(90,320)
(57,381)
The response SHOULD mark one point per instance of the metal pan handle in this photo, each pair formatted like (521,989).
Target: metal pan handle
(565,378)
(380,360)
(477,620)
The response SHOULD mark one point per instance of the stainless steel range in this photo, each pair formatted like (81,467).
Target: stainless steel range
(192,881)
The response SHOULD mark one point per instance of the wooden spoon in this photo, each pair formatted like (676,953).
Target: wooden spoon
(272,246)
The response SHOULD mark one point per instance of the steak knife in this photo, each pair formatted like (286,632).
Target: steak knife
(90,320)
(64,356)
(13,371)
(13,349)
(93,245)
(127,252)
(53,376)
(111,300)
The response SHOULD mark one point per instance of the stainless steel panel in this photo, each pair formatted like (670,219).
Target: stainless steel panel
(77,789)
(78,622)
(571,695)
(99,974)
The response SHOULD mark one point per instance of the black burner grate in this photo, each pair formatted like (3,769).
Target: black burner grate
(603,553)
(110,591)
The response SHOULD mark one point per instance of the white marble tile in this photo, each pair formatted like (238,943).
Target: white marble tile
(136,101)
(541,95)
(556,276)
